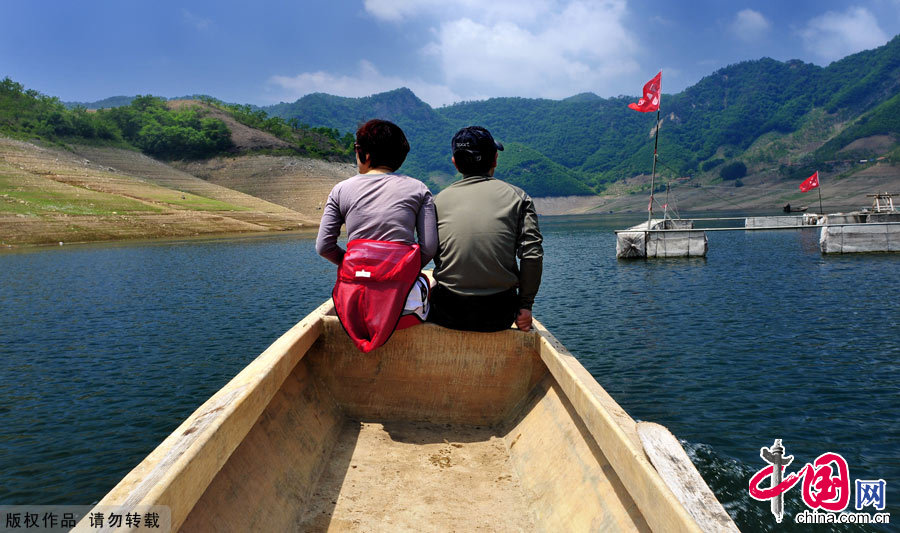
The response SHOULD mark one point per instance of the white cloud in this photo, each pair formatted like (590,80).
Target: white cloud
(365,82)
(199,23)
(750,25)
(508,10)
(396,10)
(834,35)
(531,48)
(566,49)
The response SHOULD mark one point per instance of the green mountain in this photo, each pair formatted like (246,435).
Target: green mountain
(770,114)
(429,131)
(539,175)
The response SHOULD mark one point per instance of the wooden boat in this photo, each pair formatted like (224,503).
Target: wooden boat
(789,209)
(437,430)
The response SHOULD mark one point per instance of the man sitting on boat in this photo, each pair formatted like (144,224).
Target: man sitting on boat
(384,212)
(483,225)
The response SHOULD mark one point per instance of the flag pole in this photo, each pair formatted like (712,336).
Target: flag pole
(819,188)
(653,173)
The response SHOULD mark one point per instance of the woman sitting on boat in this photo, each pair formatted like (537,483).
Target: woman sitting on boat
(392,234)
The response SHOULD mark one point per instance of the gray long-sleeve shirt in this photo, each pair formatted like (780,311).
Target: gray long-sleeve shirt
(483,225)
(382,207)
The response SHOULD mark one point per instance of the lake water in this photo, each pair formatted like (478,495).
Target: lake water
(105,349)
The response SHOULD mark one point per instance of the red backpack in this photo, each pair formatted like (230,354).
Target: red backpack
(373,282)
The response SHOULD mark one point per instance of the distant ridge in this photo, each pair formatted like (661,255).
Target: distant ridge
(121,101)
(782,119)
(106,103)
(583,97)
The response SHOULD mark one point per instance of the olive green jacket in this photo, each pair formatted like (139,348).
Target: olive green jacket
(483,225)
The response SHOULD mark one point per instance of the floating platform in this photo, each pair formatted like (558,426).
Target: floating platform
(782,221)
(871,236)
(868,230)
(648,240)
(861,217)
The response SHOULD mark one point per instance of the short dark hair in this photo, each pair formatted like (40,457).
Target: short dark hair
(384,142)
(471,164)
(474,150)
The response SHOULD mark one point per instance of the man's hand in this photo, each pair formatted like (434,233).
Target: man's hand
(523,319)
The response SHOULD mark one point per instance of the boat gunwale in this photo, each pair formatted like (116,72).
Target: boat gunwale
(178,471)
(655,500)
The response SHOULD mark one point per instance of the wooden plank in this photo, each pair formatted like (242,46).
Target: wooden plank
(608,423)
(568,481)
(415,477)
(271,476)
(682,478)
(429,373)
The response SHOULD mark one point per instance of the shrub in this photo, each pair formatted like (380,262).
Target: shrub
(732,171)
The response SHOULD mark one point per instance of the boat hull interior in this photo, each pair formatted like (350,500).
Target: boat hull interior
(457,431)
(436,430)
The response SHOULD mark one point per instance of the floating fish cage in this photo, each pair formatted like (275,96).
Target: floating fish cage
(874,229)
(868,230)
(661,238)
(871,236)
(782,221)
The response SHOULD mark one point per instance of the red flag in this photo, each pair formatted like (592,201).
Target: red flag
(650,99)
(810,183)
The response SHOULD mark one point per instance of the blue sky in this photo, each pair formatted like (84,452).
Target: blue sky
(265,52)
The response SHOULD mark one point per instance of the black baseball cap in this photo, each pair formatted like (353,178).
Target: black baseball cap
(474,140)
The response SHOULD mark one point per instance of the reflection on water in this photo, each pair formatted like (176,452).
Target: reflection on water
(105,349)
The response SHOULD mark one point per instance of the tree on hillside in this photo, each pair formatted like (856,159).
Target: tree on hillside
(733,171)
(149,124)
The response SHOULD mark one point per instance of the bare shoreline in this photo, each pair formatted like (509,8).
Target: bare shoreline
(106,195)
(307,232)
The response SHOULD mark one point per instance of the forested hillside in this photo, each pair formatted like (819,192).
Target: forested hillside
(783,118)
(168,130)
